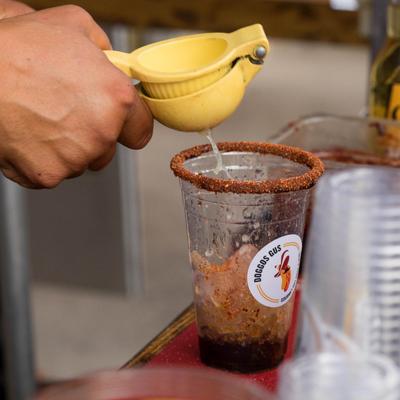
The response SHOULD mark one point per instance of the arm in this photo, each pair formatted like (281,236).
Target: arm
(63,105)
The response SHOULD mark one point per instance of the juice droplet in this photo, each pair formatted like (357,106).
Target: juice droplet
(245,238)
(209,252)
(248,213)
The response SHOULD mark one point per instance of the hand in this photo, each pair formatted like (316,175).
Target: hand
(9,8)
(63,105)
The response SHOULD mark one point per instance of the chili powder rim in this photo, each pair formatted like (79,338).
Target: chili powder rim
(301,182)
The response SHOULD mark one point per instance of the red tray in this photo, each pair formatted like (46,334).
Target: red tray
(178,345)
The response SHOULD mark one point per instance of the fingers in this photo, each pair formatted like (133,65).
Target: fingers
(52,167)
(9,8)
(138,127)
(41,172)
(76,18)
(12,174)
(103,160)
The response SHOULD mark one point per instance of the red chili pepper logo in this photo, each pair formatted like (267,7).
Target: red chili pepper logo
(284,271)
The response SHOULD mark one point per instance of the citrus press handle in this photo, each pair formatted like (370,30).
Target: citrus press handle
(249,41)
(251,46)
(122,61)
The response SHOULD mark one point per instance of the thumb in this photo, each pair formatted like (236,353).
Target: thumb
(138,127)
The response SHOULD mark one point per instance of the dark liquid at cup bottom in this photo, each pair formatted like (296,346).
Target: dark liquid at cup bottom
(248,358)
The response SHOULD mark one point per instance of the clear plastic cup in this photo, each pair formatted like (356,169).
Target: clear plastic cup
(245,241)
(331,376)
(342,141)
(156,384)
(351,297)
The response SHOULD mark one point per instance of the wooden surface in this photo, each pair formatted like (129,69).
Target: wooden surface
(302,19)
(160,341)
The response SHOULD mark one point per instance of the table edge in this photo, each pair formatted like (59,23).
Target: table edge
(157,344)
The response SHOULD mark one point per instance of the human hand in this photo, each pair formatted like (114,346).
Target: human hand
(63,105)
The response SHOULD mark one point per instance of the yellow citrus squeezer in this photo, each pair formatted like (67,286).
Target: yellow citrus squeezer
(192,83)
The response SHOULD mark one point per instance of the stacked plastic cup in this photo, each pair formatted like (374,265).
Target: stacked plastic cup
(351,297)
(332,376)
(156,384)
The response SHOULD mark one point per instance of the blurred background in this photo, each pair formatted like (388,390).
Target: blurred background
(108,251)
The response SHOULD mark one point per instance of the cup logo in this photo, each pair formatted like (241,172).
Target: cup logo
(284,271)
(272,274)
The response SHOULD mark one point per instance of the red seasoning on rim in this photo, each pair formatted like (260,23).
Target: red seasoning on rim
(304,181)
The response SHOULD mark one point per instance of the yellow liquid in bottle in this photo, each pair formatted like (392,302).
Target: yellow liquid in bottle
(384,96)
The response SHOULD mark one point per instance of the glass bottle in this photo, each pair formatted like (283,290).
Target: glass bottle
(384,98)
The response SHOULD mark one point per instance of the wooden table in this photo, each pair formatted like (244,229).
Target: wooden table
(181,322)
(300,19)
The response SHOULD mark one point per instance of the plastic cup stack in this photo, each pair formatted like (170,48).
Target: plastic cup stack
(331,376)
(351,297)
